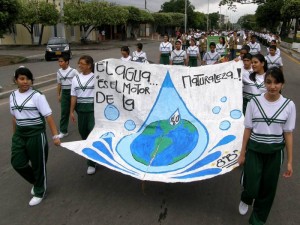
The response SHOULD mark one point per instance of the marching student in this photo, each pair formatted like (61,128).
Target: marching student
(178,56)
(254,46)
(139,55)
(211,57)
(246,71)
(269,124)
(82,101)
(165,49)
(273,60)
(30,110)
(253,84)
(125,52)
(273,42)
(193,54)
(244,50)
(221,47)
(64,80)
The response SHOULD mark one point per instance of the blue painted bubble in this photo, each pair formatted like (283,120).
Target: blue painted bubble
(129,125)
(225,125)
(235,114)
(223,99)
(216,109)
(111,112)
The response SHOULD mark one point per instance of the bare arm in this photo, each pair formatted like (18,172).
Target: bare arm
(246,136)
(288,136)
(59,92)
(53,129)
(72,108)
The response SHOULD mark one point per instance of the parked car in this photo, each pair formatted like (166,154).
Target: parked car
(56,47)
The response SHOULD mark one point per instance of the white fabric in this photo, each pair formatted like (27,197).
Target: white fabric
(165,123)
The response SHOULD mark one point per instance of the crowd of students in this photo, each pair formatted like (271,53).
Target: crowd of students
(269,117)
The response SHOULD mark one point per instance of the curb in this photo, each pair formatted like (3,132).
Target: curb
(6,94)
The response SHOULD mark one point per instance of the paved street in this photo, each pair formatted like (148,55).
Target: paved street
(111,198)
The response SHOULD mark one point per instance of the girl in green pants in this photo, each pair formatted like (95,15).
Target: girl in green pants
(269,124)
(30,109)
(82,101)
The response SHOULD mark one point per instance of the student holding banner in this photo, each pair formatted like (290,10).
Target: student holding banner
(193,54)
(82,101)
(64,80)
(269,123)
(165,49)
(253,84)
(30,111)
(178,56)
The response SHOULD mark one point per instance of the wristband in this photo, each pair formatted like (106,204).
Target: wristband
(55,137)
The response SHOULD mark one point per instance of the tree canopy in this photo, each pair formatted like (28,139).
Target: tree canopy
(8,12)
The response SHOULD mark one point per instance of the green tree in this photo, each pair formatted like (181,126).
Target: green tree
(37,12)
(291,10)
(268,15)
(199,20)
(178,6)
(247,22)
(214,20)
(162,19)
(48,16)
(8,14)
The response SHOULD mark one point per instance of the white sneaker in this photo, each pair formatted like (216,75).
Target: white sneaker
(243,208)
(61,135)
(32,191)
(35,201)
(91,170)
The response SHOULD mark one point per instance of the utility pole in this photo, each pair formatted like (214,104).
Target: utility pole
(207,15)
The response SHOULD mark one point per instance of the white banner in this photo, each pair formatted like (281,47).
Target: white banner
(165,123)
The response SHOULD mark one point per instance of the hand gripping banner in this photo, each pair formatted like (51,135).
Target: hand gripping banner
(165,123)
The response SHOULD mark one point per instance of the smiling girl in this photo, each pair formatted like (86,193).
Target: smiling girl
(253,83)
(269,123)
(30,109)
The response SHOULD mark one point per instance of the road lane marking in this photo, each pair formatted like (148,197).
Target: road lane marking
(290,57)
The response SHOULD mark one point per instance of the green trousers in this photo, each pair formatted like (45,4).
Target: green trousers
(193,61)
(86,123)
(34,150)
(261,172)
(165,59)
(65,110)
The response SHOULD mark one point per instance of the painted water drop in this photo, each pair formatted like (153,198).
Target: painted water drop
(216,109)
(111,112)
(166,141)
(225,125)
(223,99)
(129,125)
(235,114)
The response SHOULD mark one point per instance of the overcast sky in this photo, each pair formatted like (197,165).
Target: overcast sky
(200,5)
